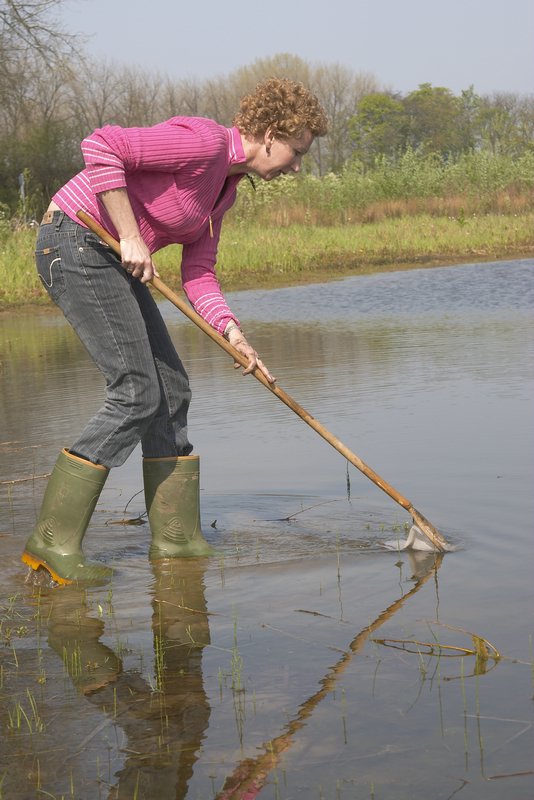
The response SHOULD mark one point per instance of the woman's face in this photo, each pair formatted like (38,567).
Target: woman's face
(277,157)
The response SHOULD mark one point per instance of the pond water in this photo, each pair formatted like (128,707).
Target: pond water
(296,663)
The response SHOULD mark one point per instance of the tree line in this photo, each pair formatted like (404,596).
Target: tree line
(52,95)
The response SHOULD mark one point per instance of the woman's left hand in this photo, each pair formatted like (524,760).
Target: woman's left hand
(238,340)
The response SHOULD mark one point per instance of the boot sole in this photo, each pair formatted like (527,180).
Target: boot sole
(35,563)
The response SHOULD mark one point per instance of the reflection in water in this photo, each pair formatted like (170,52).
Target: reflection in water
(251,775)
(75,638)
(163,724)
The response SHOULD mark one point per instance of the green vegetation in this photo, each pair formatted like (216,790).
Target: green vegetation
(42,121)
(424,209)
(424,177)
(258,256)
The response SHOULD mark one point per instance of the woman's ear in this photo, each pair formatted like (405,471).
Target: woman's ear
(268,139)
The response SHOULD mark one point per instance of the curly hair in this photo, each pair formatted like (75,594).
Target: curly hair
(285,106)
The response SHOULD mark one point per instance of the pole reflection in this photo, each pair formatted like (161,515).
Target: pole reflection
(251,775)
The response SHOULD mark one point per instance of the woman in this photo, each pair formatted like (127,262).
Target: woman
(150,187)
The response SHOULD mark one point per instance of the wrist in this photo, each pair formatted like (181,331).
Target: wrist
(232,326)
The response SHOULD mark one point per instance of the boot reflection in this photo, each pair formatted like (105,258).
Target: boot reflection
(163,724)
(165,728)
(75,637)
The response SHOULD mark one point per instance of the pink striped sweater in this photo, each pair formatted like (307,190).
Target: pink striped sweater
(176,175)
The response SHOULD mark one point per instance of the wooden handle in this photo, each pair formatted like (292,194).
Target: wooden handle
(174,298)
(434,535)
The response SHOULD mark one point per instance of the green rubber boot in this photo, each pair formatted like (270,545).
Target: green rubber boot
(56,542)
(172,495)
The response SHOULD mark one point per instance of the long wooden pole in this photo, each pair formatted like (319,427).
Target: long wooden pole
(425,526)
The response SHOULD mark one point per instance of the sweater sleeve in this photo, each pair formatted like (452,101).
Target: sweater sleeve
(200,282)
(111,151)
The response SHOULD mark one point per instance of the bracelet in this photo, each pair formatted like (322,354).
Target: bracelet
(231,327)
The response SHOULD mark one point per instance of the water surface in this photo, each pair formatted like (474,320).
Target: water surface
(259,670)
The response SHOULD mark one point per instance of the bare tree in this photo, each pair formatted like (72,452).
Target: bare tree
(339,89)
(182,97)
(525,123)
(30,39)
(219,100)
(30,26)
(34,72)
(281,65)
(506,123)
(94,102)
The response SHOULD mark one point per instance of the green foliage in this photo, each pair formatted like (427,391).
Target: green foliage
(253,252)
(378,128)
(257,254)
(415,174)
(478,177)
(20,283)
(484,174)
(5,224)
(433,120)
(45,154)
(46,111)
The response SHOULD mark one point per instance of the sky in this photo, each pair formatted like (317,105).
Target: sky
(488,44)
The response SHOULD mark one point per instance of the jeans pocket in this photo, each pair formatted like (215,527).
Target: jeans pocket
(94,253)
(49,269)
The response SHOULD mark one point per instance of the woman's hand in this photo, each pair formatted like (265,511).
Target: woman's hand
(135,255)
(136,258)
(237,339)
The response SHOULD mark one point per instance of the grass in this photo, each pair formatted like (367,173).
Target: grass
(252,254)
(415,209)
(299,251)
(27,720)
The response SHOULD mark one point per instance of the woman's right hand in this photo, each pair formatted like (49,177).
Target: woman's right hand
(135,255)
(136,258)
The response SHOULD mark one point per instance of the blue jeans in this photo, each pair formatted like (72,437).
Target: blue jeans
(117,319)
